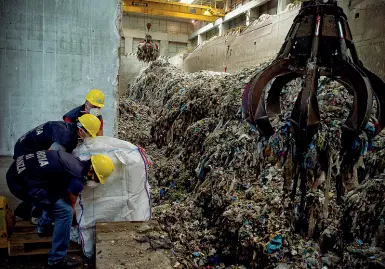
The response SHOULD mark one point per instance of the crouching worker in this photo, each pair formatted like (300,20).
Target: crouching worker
(57,135)
(52,180)
(53,135)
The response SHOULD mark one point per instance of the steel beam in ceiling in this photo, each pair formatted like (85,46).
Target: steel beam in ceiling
(173,9)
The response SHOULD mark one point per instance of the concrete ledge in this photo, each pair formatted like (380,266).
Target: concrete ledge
(229,16)
(257,44)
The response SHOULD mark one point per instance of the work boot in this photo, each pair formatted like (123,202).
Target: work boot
(45,231)
(65,263)
(89,263)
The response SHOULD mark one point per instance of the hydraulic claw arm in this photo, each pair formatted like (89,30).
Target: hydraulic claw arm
(319,42)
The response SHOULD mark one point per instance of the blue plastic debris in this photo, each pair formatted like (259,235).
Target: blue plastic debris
(196,254)
(183,108)
(162,193)
(201,172)
(355,144)
(252,127)
(275,244)
(370,127)
(359,241)
(308,163)
(215,260)
(311,145)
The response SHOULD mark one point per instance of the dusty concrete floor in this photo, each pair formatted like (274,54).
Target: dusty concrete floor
(5,163)
(126,245)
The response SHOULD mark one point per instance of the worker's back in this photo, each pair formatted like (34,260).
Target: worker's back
(43,136)
(44,174)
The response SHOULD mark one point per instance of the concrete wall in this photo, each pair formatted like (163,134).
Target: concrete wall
(51,54)
(134,27)
(255,45)
(270,7)
(367,22)
(5,163)
(177,60)
(158,24)
(261,42)
(129,34)
(129,69)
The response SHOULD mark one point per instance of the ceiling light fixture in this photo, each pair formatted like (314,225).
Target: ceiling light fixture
(207,13)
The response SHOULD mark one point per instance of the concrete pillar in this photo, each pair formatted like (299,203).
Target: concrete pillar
(227,5)
(282,4)
(248,19)
(251,15)
(201,38)
(129,44)
(194,42)
(163,47)
(223,27)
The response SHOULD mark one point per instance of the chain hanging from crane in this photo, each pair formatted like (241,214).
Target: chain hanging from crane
(147,49)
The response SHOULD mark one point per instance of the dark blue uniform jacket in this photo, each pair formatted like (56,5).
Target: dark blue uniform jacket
(43,136)
(44,177)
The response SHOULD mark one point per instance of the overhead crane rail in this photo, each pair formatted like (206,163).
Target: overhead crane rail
(173,9)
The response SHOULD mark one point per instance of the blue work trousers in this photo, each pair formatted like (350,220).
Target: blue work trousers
(61,214)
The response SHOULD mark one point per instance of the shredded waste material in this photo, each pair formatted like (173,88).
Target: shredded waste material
(223,193)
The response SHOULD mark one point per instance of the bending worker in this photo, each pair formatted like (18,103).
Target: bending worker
(52,180)
(57,135)
(94,102)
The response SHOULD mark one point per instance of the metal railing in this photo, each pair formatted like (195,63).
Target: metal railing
(236,30)
(212,4)
(208,3)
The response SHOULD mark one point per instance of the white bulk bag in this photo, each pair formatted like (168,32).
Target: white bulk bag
(125,194)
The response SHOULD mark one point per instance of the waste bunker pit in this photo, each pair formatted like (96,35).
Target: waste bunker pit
(223,193)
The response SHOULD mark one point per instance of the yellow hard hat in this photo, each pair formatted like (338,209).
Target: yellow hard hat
(95,97)
(91,123)
(103,166)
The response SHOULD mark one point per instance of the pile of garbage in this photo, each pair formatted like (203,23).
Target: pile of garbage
(222,192)
(134,122)
(147,50)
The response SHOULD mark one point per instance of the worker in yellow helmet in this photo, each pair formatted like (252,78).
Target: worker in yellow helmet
(94,102)
(53,135)
(52,180)
(57,135)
